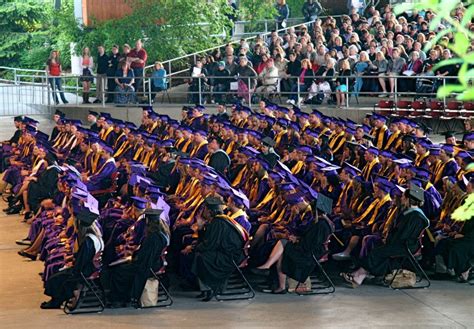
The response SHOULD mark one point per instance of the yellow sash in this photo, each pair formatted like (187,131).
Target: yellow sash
(368,168)
(197,148)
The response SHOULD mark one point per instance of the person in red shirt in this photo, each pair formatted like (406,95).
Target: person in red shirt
(137,58)
(53,70)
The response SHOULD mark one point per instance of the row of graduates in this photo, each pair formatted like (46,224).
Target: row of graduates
(275,194)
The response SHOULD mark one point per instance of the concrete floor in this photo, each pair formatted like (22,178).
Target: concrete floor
(444,305)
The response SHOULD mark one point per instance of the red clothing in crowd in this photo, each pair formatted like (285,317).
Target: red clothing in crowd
(140,54)
(54,69)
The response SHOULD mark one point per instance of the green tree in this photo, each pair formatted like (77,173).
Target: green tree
(461,41)
(22,25)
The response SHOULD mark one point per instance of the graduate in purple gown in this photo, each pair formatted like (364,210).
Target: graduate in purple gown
(103,177)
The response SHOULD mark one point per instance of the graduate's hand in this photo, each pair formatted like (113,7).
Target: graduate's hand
(292,238)
(458,236)
(187,250)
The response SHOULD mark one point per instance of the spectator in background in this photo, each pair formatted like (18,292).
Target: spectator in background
(292,71)
(381,65)
(125,93)
(395,69)
(221,83)
(137,57)
(158,80)
(342,83)
(283,13)
(305,80)
(87,64)
(112,67)
(53,71)
(268,78)
(196,84)
(125,51)
(412,68)
(230,65)
(247,83)
(311,10)
(360,68)
(101,77)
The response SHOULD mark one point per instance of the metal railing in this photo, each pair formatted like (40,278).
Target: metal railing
(202,89)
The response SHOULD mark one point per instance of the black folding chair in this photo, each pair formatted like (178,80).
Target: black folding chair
(412,258)
(237,287)
(164,297)
(91,298)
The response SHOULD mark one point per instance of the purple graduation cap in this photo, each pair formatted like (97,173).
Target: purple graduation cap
(351,170)
(139,203)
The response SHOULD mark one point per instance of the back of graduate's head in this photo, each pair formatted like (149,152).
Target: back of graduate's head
(413,196)
(154,223)
(86,224)
(213,206)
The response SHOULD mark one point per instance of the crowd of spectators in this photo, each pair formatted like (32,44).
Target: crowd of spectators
(374,53)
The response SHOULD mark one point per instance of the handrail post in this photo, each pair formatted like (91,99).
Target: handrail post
(149,91)
(250,94)
(396,90)
(199,91)
(444,96)
(299,90)
(348,92)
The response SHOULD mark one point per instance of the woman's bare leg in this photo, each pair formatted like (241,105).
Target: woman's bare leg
(275,255)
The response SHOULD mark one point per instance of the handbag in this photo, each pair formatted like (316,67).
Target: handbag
(150,293)
(403,279)
(243,89)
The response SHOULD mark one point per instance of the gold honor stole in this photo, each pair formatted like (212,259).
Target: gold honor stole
(122,149)
(279,136)
(420,158)
(269,197)
(343,195)
(439,172)
(379,136)
(239,176)
(388,223)
(243,232)
(197,148)
(368,168)
(107,133)
(297,167)
(393,137)
(375,206)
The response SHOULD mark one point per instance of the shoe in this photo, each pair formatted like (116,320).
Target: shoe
(279,292)
(50,305)
(14,210)
(291,101)
(258,271)
(27,255)
(209,294)
(97,101)
(341,256)
(65,102)
(23,242)
(11,198)
(382,95)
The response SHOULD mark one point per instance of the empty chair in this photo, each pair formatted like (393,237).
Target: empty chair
(403,107)
(419,108)
(384,107)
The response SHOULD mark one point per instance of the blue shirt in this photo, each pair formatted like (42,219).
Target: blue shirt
(159,79)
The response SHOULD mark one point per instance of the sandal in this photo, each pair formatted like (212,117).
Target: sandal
(350,279)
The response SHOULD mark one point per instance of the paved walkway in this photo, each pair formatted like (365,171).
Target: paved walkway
(444,305)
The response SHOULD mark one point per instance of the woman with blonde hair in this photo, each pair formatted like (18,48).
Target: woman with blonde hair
(342,84)
(87,64)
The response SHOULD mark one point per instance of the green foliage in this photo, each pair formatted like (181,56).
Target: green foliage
(461,40)
(251,10)
(295,7)
(20,22)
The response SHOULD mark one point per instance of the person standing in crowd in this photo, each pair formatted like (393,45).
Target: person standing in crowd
(53,71)
(283,12)
(311,10)
(137,57)
(158,80)
(112,67)
(87,64)
(101,77)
